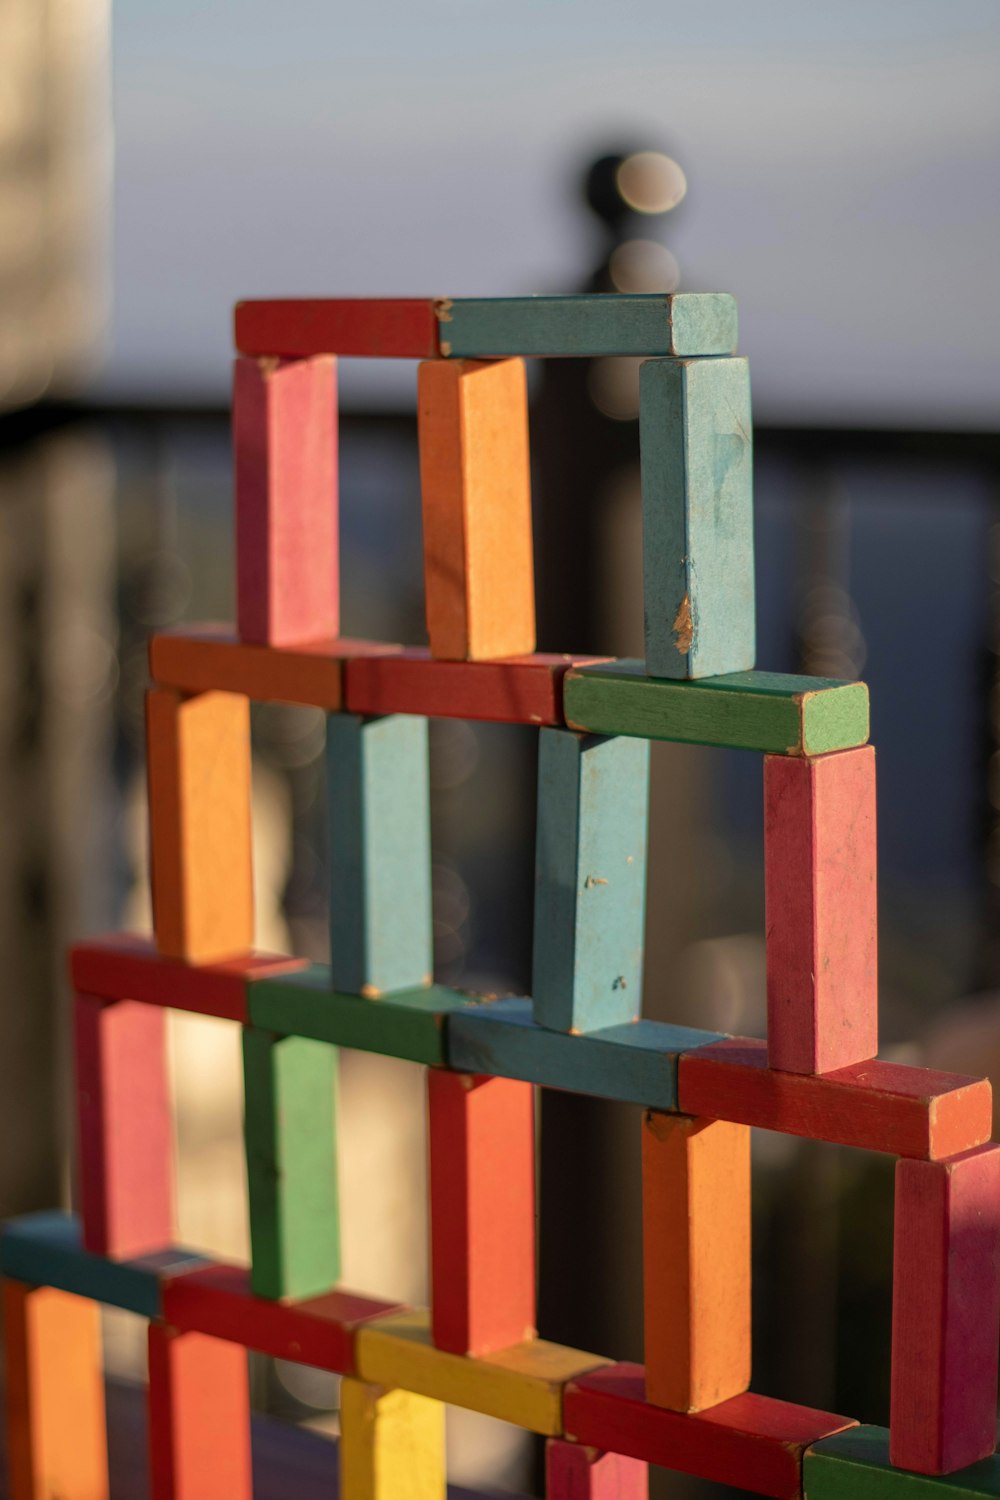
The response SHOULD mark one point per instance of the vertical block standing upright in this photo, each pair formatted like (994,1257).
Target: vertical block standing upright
(482,1203)
(391,1444)
(199,1417)
(380,854)
(945,1311)
(476,486)
(573,1472)
(590,880)
(697,506)
(285,455)
(822,916)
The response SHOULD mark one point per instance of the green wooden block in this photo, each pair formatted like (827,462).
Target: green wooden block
(380,853)
(697,516)
(769,711)
(590,880)
(291,1149)
(854,1465)
(409,1023)
(681,324)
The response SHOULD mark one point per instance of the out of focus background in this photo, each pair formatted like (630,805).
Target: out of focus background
(836,168)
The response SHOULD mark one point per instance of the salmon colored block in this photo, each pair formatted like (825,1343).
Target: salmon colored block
(199,1418)
(476,486)
(573,1472)
(56,1432)
(482,1203)
(945,1312)
(820,889)
(198,761)
(696,1255)
(124,1130)
(287,539)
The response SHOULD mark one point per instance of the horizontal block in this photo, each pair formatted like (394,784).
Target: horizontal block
(684,323)
(125,966)
(392,1444)
(573,1472)
(199,1418)
(769,711)
(752,1442)
(635,1062)
(199,658)
(46,1249)
(376,327)
(695,438)
(520,690)
(318,1331)
(879,1106)
(522,1385)
(408,1023)
(854,1465)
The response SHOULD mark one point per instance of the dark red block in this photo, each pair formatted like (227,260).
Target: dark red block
(751,1442)
(517,690)
(377,327)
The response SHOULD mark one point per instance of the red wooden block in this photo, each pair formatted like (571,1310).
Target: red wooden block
(382,328)
(482,1205)
(820,891)
(319,1331)
(945,1312)
(519,690)
(199,1418)
(124,1131)
(124,966)
(285,456)
(880,1106)
(573,1472)
(752,1442)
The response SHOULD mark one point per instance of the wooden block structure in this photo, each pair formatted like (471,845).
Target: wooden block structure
(689,1408)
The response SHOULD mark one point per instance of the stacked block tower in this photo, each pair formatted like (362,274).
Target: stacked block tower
(690,1407)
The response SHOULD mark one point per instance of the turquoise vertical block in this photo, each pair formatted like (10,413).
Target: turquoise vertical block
(380,854)
(695,438)
(590,880)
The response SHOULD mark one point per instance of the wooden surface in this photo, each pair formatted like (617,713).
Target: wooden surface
(378,327)
(695,440)
(392,1444)
(199,1418)
(745,710)
(684,323)
(285,426)
(475,486)
(521,690)
(855,1465)
(573,1472)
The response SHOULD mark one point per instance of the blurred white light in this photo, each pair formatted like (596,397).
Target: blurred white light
(643,266)
(651,182)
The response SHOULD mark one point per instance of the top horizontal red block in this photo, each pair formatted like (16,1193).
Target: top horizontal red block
(376,328)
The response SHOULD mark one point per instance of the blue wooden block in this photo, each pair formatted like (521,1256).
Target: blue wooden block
(46,1249)
(590,880)
(854,1465)
(684,323)
(635,1062)
(380,854)
(697,516)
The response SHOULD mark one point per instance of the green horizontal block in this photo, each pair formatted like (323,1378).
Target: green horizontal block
(770,711)
(635,1062)
(682,324)
(408,1024)
(854,1465)
(46,1249)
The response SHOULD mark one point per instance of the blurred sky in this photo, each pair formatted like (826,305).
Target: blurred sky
(844,163)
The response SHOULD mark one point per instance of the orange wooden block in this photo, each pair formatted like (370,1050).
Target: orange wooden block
(696,1250)
(198,761)
(474,473)
(199,1417)
(56,1433)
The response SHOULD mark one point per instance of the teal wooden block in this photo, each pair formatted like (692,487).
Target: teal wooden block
(46,1249)
(769,711)
(854,1465)
(291,1147)
(680,324)
(408,1024)
(380,853)
(635,1063)
(590,880)
(697,516)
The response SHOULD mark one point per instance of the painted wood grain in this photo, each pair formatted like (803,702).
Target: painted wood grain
(199,1418)
(585,325)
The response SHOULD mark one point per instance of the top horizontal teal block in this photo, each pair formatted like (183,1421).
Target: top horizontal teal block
(686,323)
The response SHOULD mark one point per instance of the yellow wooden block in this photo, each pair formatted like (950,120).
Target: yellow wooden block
(522,1384)
(391,1444)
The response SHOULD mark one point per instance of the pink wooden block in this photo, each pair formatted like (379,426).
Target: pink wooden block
(285,455)
(945,1311)
(820,890)
(573,1472)
(124,1131)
